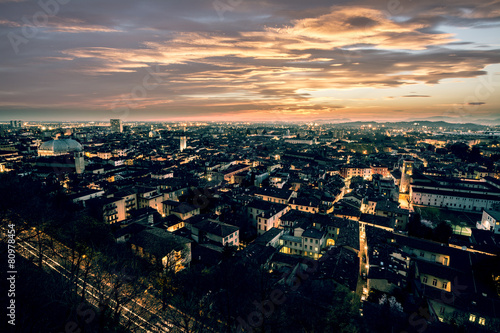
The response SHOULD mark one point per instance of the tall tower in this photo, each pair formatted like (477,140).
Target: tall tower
(16,123)
(79,162)
(406,173)
(182,143)
(116,125)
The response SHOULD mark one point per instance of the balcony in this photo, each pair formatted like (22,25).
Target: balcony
(109,207)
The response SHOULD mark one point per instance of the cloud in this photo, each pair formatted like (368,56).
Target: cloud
(416,96)
(476,103)
(283,58)
(345,26)
(74,25)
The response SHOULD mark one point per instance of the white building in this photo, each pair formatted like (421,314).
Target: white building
(458,194)
(453,199)
(490,221)
(182,143)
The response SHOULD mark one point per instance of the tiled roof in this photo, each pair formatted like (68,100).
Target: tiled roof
(216,228)
(158,242)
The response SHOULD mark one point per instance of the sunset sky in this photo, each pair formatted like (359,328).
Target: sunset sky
(249,60)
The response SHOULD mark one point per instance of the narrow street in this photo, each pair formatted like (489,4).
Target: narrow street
(150,317)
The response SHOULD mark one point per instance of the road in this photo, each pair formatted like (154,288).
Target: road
(140,323)
(142,319)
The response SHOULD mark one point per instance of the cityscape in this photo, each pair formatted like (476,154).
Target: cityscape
(250,166)
(240,227)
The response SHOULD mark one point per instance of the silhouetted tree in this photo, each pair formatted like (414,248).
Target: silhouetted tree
(459,149)
(356,181)
(475,154)
(442,232)
(414,224)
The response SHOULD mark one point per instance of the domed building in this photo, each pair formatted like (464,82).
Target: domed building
(54,148)
(59,147)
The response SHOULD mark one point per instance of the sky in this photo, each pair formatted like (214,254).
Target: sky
(244,60)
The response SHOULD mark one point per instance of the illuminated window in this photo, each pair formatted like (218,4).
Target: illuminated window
(472,318)
(481,321)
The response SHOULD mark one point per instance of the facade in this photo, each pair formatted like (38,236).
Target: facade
(406,173)
(228,174)
(467,201)
(301,141)
(116,125)
(457,194)
(112,209)
(16,123)
(310,205)
(350,171)
(380,170)
(152,199)
(308,243)
(182,143)
(211,231)
(182,210)
(79,162)
(130,197)
(490,220)
(266,214)
(270,219)
(399,216)
(163,248)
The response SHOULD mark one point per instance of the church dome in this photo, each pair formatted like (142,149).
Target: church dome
(154,134)
(59,147)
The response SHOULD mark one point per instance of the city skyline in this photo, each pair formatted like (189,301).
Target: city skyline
(239,60)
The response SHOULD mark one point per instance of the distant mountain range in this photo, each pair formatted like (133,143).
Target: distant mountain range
(436,121)
(467,120)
